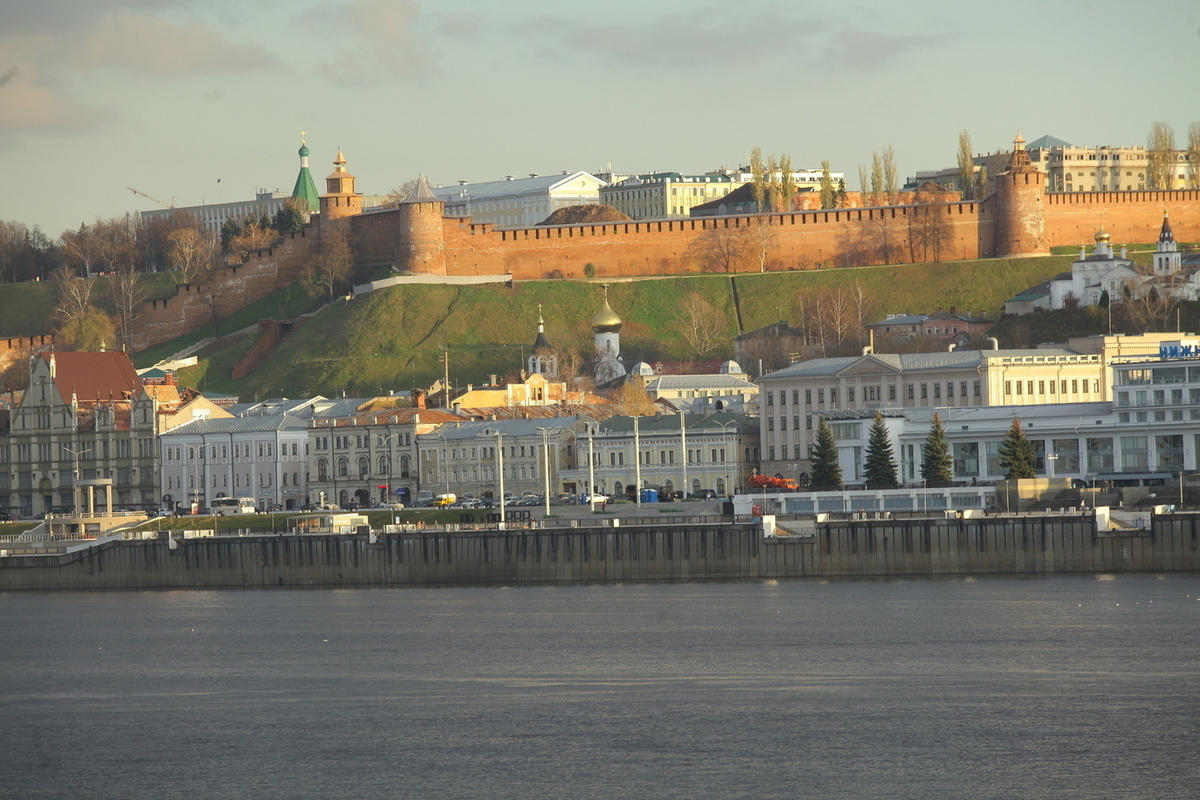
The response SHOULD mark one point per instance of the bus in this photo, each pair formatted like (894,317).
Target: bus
(229,506)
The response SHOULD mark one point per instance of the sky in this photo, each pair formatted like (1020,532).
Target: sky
(195,101)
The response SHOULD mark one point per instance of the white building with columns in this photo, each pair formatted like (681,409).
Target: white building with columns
(260,457)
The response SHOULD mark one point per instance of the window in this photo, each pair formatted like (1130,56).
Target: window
(891,393)
(808,396)
(966,459)
(343,467)
(977,388)
(1100,454)
(322,469)
(910,391)
(1135,453)
(850,394)
(924,391)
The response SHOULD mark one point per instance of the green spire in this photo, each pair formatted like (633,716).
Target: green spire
(306,188)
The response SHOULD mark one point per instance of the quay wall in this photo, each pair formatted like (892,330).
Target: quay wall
(889,548)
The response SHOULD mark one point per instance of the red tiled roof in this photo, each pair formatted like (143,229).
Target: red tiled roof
(94,376)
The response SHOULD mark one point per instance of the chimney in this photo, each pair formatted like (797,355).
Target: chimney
(418,398)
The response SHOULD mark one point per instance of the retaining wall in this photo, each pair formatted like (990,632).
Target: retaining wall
(893,548)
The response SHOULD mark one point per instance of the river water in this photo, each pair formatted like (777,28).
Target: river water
(989,688)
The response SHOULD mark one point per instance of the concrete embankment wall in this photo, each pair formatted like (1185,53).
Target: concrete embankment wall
(1037,546)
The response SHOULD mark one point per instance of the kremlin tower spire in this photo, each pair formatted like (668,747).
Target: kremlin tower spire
(306,189)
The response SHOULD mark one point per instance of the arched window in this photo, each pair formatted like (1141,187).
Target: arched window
(696,487)
(364,467)
(617,488)
(720,488)
(295,479)
(403,466)
(343,467)
(322,469)
(385,465)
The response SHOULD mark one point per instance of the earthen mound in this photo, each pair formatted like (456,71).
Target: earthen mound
(575,215)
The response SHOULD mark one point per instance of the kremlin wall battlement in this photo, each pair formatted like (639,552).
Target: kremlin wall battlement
(1020,219)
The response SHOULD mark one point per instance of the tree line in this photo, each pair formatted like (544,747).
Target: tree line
(880,470)
(98,268)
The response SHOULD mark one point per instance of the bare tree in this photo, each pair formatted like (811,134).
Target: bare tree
(966,166)
(128,293)
(876,180)
(864,303)
(192,252)
(74,294)
(760,240)
(1160,157)
(332,262)
(1193,155)
(254,236)
(929,229)
(787,185)
(720,248)
(401,192)
(81,248)
(1147,306)
(702,326)
(837,319)
(891,184)
(864,184)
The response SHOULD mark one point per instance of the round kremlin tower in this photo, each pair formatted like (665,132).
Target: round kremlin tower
(1020,212)
(421,245)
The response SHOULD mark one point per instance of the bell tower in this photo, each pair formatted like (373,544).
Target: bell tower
(340,200)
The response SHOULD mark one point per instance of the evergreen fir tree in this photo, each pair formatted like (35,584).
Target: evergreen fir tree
(826,472)
(1016,453)
(880,467)
(937,467)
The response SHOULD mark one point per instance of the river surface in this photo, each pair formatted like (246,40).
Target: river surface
(988,688)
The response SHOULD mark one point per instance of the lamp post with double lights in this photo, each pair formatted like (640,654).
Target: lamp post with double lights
(383,440)
(724,426)
(75,475)
(193,492)
(500,473)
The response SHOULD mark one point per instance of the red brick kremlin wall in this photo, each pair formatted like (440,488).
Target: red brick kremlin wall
(408,239)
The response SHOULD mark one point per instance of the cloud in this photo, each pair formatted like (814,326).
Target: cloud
(141,43)
(44,61)
(718,36)
(386,42)
(28,104)
(870,51)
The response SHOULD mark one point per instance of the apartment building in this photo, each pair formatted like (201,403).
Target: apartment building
(370,456)
(491,458)
(676,453)
(264,457)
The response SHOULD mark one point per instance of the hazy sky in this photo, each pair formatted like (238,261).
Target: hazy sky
(168,96)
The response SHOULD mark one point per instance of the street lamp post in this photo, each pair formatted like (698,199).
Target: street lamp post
(75,475)
(500,471)
(193,492)
(724,426)
(383,442)
(637,460)
(683,451)
(592,466)
(546,464)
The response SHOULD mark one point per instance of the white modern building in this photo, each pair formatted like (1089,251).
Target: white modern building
(519,202)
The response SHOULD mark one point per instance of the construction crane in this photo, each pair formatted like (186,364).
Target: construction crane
(150,197)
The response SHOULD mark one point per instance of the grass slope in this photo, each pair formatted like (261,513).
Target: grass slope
(392,339)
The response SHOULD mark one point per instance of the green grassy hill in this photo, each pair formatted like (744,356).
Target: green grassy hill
(392,339)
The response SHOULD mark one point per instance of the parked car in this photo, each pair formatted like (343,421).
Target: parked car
(594,497)
(392,506)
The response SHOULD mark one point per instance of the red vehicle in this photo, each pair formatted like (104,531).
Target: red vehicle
(773,482)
